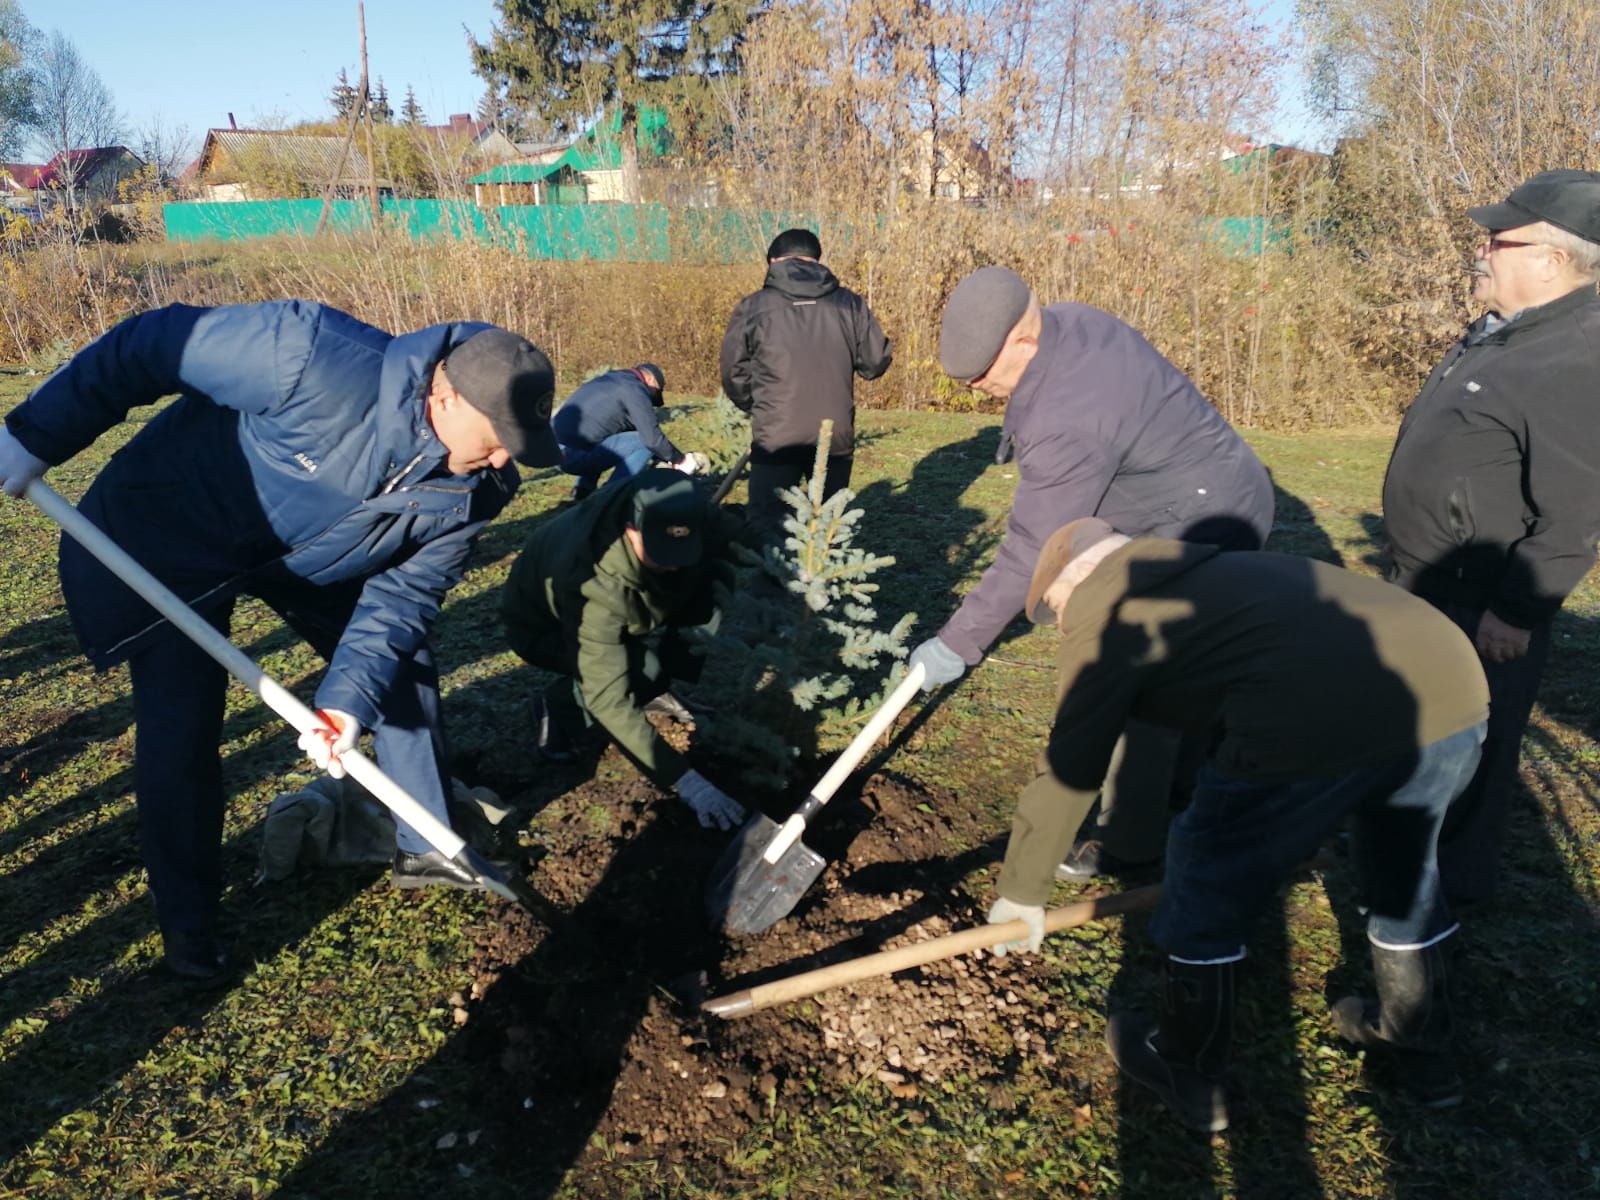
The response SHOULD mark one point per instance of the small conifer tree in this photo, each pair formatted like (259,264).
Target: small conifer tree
(797,659)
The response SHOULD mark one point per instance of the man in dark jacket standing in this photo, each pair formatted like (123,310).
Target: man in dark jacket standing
(788,359)
(1334,694)
(600,596)
(336,472)
(1492,498)
(1100,424)
(610,422)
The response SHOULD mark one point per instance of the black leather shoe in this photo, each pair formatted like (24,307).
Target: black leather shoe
(431,869)
(1087,860)
(550,741)
(197,959)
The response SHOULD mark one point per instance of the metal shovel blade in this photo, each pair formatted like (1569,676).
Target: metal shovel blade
(746,893)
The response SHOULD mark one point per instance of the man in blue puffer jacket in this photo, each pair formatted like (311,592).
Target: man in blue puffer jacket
(336,472)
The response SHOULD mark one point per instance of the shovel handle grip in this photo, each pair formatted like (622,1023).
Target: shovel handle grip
(278,698)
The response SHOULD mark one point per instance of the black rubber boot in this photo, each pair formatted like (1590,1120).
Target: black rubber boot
(1183,1057)
(1410,1022)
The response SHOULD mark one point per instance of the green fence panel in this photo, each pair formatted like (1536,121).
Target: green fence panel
(565,232)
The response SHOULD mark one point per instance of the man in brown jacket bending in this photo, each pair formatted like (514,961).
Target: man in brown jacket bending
(1327,695)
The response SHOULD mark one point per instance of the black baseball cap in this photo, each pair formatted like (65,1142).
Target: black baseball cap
(1568,199)
(669,511)
(658,393)
(509,380)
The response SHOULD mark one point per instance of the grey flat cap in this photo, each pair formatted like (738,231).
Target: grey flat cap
(985,306)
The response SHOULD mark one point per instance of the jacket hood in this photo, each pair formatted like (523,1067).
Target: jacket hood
(1138,567)
(800,278)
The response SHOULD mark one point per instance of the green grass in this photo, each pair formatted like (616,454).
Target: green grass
(116,1083)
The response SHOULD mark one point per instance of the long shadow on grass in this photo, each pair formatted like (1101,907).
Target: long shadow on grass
(74,1058)
(53,750)
(937,540)
(1526,1003)
(536,1069)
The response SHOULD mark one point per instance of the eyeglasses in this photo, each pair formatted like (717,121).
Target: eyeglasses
(1500,243)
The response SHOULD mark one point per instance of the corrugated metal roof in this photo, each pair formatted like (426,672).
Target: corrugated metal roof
(308,158)
(519,173)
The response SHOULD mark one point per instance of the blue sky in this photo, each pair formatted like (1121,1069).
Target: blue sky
(277,61)
(192,64)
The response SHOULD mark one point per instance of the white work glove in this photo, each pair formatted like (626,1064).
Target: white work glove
(711,804)
(1004,910)
(18,468)
(692,463)
(323,746)
(940,664)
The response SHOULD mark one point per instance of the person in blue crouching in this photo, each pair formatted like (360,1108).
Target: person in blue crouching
(609,424)
(339,473)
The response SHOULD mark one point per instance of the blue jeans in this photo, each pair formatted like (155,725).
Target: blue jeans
(1239,839)
(624,451)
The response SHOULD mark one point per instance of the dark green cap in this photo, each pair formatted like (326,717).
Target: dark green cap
(670,511)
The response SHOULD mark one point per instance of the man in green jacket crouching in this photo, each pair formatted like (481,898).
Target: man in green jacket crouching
(600,596)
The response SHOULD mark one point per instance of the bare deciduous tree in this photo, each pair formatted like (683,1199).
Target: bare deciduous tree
(165,148)
(73,108)
(16,82)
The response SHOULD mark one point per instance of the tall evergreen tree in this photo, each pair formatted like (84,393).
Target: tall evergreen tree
(382,110)
(565,60)
(410,111)
(344,96)
(800,660)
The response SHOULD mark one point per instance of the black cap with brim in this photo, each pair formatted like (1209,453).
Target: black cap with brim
(1568,199)
(657,393)
(509,380)
(1060,548)
(669,511)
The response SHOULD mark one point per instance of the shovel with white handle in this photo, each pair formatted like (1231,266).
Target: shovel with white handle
(366,772)
(767,868)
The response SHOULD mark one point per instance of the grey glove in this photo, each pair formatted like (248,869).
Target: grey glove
(940,664)
(1004,910)
(18,468)
(714,807)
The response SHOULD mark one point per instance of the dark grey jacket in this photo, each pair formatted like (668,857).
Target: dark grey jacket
(607,404)
(790,352)
(1102,425)
(1492,496)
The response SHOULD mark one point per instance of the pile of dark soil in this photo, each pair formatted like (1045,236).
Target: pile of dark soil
(592,1031)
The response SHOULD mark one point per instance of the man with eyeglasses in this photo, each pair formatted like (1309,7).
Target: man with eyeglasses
(1492,498)
(1100,424)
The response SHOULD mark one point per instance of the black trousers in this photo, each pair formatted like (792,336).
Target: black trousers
(1474,826)
(772,471)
